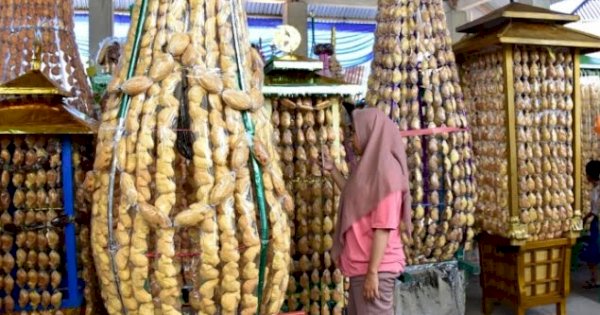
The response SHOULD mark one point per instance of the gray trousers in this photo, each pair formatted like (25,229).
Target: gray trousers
(382,306)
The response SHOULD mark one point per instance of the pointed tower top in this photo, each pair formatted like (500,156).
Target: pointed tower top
(36,59)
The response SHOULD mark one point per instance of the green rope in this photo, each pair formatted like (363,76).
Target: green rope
(262,209)
(135,53)
(256,169)
(123,108)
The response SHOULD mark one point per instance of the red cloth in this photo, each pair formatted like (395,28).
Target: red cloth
(354,260)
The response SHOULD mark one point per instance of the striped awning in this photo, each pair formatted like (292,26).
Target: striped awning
(589,10)
(275,9)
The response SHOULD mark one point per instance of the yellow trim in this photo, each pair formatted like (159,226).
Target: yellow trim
(546,42)
(29,91)
(335,108)
(517,230)
(577,163)
(511,130)
(558,17)
(517,11)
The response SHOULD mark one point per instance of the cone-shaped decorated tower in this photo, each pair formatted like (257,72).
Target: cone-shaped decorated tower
(189,193)
(415,81)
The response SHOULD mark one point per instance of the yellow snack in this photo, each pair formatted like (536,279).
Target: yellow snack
(178,43)
(136,85)
(237,100)
(154,217)
(192,216)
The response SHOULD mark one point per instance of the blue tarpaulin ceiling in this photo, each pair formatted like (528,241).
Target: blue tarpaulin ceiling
(354,41)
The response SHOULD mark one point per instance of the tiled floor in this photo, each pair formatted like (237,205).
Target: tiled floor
(580,302)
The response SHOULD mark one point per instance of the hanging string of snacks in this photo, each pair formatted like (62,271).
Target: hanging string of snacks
(415,81)
(590,146)
(306,112)
(43,203)
(185,137)
(543,81)
(33,223)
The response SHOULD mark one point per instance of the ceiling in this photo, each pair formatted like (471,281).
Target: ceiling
(588,10)
(349,10)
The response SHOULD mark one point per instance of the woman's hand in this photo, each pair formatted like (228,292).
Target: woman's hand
(330,169)
(371,287)
(328,165)
(406,227)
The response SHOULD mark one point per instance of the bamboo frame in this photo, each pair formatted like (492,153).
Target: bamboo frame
(576,221)
(508,34)
(514,257)
(517,230)
(535,282)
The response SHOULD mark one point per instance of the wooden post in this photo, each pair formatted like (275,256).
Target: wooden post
(517,230)
(296,15)
(101,24)
(578,178)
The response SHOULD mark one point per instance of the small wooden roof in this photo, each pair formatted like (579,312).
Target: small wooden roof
(303,83)
(522,24)
(293,75)
(293,62)
(33,82)
(516,11)
(33,104)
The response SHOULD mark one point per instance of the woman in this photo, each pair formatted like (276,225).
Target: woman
(591,251)
(375,201)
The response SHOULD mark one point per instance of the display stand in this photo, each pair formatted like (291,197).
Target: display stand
(32,104)
(526,262)
(536,273)
(296,93)
(444,282)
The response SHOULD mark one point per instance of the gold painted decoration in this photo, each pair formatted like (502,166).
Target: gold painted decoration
(49,24)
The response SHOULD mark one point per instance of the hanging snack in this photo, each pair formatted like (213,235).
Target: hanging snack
(530,162)
(590,146)
(30,231)
(414,80)
(544,140)
(308,125)
(176,158)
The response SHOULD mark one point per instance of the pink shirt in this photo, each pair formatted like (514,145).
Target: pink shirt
(354,260)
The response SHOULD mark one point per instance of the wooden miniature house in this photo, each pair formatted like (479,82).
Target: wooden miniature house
(520,74)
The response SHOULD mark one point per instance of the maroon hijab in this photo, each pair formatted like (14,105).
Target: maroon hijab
(381,171)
